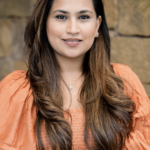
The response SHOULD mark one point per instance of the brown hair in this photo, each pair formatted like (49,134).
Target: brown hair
(107,109)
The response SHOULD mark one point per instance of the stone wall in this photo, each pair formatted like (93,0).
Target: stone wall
(128,23)
(13,19)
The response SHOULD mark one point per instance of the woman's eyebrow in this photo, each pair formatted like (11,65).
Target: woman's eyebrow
(65,12)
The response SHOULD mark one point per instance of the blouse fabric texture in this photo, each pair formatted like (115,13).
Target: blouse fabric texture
(18,114)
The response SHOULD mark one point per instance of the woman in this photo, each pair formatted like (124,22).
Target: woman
(71,97)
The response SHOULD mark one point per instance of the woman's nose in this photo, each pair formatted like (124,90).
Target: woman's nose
(72,27)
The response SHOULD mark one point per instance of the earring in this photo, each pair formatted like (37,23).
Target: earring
(97,34)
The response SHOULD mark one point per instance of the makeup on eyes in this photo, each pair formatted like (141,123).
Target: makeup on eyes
(61,17)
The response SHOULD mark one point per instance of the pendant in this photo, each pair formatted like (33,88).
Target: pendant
(70,88)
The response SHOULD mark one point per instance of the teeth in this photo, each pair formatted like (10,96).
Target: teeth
(71,41)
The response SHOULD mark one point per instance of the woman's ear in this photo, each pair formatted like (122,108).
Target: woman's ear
(98,23)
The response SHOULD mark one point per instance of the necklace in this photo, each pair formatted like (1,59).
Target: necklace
(70,87)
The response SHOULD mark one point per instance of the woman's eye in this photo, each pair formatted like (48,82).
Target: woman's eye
(84,17)
(61,17)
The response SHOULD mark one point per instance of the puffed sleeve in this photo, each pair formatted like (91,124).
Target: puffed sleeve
(17,113)
(139,137)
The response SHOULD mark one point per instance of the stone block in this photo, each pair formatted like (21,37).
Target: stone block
(6,38)
(20,65)
(5,67)
(132,19)
(111,11)
(20,8)
(147,88)
(33,2)
(112,33)
(1,7)
(133,52)
(11,39)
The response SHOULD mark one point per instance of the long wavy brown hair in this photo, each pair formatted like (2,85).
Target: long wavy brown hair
(107,109)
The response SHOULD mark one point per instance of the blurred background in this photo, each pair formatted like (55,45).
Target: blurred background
(129,27)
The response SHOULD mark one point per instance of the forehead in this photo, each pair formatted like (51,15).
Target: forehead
(72,5)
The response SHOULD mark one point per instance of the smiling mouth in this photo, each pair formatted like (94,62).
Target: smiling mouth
(72,43)
(72,40)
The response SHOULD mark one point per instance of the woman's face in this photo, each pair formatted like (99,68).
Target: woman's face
(71,27)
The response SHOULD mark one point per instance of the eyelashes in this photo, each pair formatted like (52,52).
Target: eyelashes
(62,17)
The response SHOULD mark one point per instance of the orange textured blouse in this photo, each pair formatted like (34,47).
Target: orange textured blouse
(18,114)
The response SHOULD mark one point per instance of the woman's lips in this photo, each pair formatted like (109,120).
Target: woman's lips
(72,43)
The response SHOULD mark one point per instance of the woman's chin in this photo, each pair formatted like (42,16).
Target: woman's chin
(72,56)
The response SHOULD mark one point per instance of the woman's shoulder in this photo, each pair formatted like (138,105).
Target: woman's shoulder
(139,137)
(15,87)
(128,74)
(17,111)
(14,76)
(122,70)
(132,79)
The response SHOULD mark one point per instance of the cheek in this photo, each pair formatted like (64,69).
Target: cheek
(53,31)
(89,31)
(89,35)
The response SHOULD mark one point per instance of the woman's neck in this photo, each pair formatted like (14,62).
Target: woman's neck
(71,68)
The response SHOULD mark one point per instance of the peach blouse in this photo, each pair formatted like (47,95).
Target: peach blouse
(18,114)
